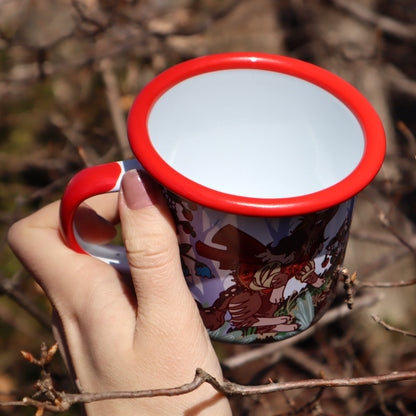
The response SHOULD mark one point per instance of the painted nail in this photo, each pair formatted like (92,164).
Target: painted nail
(139,190)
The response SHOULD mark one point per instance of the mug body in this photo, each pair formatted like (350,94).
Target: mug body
(260,279)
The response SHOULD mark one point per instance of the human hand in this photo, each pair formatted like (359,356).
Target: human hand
(117,332)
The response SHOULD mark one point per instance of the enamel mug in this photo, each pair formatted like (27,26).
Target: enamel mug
(259,157)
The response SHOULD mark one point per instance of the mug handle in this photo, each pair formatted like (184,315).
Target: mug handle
(89,182)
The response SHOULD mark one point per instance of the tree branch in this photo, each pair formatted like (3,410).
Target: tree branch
(227,388)
(113,100)
(387,285)
(23,301)
(392,328)
(388,25)
(230,389)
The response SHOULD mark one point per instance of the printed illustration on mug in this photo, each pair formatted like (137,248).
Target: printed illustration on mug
(248,290)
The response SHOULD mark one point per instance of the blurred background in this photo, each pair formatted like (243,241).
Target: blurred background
(69,71)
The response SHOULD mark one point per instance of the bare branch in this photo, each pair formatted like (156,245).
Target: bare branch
(113,99)
(65,401)
(374,236)
(408,135)
(399,81)
(97,26)
(168,27)
(387,224)
(307,407)
(377,265)
(23,301)
(392,328)
(227,388)
(387,285)
(386,24)
(406,247)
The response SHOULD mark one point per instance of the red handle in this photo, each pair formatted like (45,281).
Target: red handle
(85,184)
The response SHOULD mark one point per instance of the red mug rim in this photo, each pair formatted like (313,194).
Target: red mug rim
(358,179)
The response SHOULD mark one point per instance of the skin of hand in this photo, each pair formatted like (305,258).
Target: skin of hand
(119,332)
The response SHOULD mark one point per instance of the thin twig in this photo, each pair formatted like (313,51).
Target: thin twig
(22,300)
(307,407)
(386,24)
(387,285)
(399,81)
(226,388)
(305,361)
(18,321)
(67,400)
(392,328)
(386,259)
(388,225)
(113,99)
(88,20)
(408,135)
(390,258)
(402,408)
(374,237)
(230,389)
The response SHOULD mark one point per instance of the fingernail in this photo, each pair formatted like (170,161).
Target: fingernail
(138,189)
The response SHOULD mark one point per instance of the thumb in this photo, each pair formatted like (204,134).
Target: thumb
(152,249)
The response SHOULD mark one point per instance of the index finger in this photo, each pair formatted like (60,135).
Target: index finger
(72,281)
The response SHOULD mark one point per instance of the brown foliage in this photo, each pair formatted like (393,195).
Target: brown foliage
(69,71)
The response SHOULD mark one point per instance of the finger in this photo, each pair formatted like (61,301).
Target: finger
(95,217)
(73,282)
(37,242)
(105,205)
(92,227)
(152,250)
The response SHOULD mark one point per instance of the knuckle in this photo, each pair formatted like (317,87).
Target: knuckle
(148,253)
(15,234)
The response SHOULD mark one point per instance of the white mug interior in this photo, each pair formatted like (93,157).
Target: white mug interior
(256,133)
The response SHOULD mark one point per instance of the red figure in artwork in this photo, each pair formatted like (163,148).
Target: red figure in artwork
(261,273)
